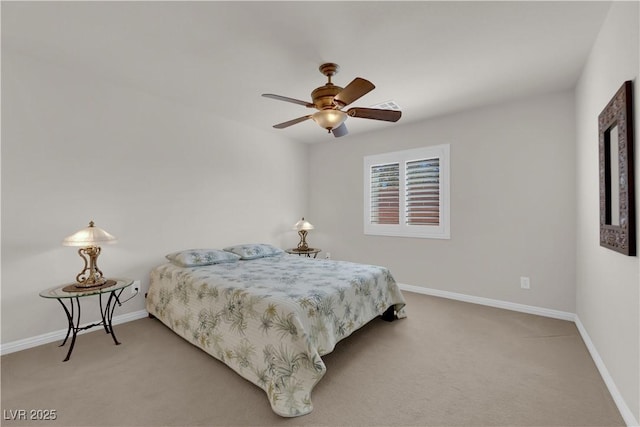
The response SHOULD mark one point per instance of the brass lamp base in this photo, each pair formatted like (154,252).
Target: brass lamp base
(96,281)
(91,276)
(302,245)
(78,287)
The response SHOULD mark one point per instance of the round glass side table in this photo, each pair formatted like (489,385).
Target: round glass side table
(69,297)
(307,252)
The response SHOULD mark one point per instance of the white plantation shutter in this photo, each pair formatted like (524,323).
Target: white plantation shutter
(385,194)
(422,192)
(407,193)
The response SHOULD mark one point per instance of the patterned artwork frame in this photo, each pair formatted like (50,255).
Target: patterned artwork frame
(617,184)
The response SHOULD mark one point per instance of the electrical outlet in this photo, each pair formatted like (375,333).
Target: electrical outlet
(525,283)
(327,255)
(135,288)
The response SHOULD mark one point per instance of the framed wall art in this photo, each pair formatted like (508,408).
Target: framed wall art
(617,204)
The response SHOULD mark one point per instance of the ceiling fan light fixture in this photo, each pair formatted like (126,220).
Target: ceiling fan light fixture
(330,99)
(329,119)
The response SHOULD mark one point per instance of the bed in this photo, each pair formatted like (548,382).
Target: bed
(268,315)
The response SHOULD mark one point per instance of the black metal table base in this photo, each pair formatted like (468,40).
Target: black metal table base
(73,318)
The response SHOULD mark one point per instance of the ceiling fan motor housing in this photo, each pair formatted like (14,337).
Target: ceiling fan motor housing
(323,96)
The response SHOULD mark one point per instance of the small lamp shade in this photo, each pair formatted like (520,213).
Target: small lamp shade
(89,239)
(303,227)
(89,236)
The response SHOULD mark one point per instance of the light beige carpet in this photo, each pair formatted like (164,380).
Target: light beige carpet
(448,363)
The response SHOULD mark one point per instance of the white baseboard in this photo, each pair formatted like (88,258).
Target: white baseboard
(625,412)
(540,311)
(26,343)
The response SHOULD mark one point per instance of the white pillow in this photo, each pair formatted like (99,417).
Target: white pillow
(254,250)
(198,257)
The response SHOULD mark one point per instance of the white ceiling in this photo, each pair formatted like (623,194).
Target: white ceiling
(431,58)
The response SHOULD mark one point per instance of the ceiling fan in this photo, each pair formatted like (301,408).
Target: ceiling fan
(329,101)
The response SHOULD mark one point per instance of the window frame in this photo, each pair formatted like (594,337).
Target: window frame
(441,231)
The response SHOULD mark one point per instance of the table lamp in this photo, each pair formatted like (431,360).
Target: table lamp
(303,227)
(88,239)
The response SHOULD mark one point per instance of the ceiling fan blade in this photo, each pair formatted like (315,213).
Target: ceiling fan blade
(340,131)
(291,122)
(286,99)
(375,114)
(354,90)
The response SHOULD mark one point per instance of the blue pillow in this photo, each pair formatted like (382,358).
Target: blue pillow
(199,257)
(254,250)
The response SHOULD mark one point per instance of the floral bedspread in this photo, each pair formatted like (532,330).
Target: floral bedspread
(270,319)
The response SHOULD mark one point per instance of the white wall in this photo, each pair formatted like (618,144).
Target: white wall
(77,148)
(608,283)
(512,207)
(157,175)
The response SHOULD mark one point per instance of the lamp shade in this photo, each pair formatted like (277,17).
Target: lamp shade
(89,236)
(329,119)
(303,225)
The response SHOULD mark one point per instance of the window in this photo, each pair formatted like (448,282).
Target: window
(407,193)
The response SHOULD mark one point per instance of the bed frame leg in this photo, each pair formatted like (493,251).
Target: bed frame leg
(389,315)
(151,316)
